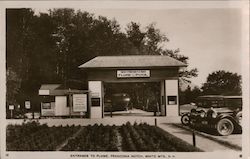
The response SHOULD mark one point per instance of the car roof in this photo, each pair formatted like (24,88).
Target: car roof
(218,97)
(210,97)
(232,97)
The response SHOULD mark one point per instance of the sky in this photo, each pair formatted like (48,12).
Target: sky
(210,37)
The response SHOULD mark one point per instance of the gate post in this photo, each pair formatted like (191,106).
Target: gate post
(96,99)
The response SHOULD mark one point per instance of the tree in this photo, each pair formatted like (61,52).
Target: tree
(49,47)
(189,95)
(153,42)
(135,35)
(20,42)
(222,83)
(13,86)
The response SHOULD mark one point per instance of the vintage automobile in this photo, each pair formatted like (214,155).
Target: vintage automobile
(116,102)
(220,113)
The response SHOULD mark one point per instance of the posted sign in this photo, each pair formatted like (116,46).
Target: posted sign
(79,102)
(27,104)
(11,107)
(132,73)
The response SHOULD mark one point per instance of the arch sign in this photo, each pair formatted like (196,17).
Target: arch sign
(132,73)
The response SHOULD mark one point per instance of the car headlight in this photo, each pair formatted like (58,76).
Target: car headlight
(239,117)
(127,99)
(202,114)
(214,114)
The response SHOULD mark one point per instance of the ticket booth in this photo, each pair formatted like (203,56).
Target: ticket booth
(134,68)
(56,102)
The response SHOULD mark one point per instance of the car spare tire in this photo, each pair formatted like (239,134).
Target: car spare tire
(225,127)
(185,120)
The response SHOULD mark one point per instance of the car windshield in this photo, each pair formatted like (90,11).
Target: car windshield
(218,102)
(209,103)
(233,102)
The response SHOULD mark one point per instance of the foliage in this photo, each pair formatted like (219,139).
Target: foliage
(189,95)
(35,137)
(19,45)
(142,137)
(49,47)
(222,83)
(13,86)
(94,138)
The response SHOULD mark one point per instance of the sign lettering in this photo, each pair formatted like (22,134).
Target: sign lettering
(133,73)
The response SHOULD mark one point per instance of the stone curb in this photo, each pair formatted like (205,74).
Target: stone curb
(225,143)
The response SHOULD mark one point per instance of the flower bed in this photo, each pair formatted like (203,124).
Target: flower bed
(36,137)
(144,137)
(137,137)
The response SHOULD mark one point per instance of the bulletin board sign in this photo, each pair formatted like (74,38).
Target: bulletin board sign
(27,104)
(80,102)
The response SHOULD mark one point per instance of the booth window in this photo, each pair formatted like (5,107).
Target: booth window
(172,100)
(95,102)
(46,102)
(46,105)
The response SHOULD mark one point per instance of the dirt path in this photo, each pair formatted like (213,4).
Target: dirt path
(71,137)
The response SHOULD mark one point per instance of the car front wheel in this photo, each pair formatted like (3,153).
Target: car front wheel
(225,127)
(185,120)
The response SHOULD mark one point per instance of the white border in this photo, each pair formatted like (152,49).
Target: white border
(245,79)
(103,4)
(244,5)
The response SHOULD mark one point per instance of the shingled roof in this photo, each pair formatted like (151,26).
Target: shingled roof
(132,61)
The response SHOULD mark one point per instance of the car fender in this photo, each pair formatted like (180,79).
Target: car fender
(221,116)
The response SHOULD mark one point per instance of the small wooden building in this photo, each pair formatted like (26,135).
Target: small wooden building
(63,102)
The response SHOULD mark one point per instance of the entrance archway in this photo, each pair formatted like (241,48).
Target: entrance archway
(132,99)
(163,70)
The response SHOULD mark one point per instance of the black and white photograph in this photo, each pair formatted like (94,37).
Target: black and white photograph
(125,79)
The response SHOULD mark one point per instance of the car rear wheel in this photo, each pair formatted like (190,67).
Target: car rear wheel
(225,127)
(185,119)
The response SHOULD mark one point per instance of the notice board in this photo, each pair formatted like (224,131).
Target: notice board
(80,102)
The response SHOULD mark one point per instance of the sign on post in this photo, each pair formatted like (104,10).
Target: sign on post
(79,102)
(11,107)
(27,104)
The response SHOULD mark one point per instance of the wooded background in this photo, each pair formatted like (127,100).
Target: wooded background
(49,47)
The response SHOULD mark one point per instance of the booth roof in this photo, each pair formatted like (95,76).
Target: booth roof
(50,86)
(54,89)
(132,61)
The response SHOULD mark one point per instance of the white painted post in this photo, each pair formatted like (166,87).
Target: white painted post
(172,99)
(163,98)
(61,108)
(95,88)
